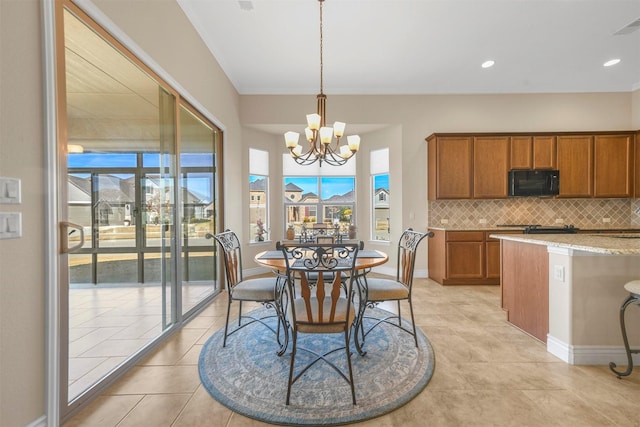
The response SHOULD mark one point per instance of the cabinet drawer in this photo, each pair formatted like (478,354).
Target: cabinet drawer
(465,236)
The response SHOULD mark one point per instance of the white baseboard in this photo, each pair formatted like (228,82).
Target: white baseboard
(39,422)
(588,355)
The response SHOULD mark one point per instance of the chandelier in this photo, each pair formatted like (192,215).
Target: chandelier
(321,137)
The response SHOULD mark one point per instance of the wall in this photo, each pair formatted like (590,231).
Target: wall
(418,116)
(22,338)
(635,111)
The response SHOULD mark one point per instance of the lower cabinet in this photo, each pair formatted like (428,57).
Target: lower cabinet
(464,257)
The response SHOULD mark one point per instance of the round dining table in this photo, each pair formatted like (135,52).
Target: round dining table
(365,260)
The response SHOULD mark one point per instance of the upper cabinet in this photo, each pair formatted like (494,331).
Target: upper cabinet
(490,167)
(613,166)
(575,163)
(591,164)
(533,152)
(450,167)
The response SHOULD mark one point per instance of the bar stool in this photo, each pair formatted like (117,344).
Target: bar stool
(633,287)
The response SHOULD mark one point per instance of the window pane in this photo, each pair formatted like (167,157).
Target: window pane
(301,189)
(381,203)
(338,189)
(258,188)
(102,160)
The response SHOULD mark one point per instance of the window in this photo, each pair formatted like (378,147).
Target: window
(258,195)
(319,195)
(380,206)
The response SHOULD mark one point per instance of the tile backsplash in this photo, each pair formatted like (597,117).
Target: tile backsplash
(582,213)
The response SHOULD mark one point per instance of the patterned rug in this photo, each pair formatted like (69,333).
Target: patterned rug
(249,378)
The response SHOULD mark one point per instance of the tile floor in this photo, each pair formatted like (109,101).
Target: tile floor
(107,324)
(487,373)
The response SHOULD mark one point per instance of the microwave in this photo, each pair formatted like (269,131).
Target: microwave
(534,182)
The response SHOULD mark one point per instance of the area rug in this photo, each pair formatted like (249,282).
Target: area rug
(249,378)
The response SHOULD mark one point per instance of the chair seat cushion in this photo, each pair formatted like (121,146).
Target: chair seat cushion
(386,290)
(633,287)
(261,289)
(315,326)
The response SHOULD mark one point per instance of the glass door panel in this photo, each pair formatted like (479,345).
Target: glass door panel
(198,197)
(117,115)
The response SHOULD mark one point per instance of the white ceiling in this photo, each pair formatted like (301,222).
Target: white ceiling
(422,46)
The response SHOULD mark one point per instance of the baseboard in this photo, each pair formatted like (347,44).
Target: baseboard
(39,422)
(588,354)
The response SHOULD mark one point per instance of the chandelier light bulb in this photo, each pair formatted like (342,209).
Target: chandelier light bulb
(313,121)
(354,142)
(338,129)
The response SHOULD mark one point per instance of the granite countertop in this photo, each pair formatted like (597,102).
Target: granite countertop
(612,244)
(593,229)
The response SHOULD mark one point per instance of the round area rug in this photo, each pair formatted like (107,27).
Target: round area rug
(249,378)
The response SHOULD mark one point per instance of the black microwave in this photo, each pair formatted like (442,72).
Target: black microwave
(534,182)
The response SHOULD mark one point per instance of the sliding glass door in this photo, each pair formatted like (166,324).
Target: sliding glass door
(137,198)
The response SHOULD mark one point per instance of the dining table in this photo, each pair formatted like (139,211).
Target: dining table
(365,260)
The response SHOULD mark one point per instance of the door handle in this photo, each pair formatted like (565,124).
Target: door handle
(64,230)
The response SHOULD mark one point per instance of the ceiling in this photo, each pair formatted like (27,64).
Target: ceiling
(422,46)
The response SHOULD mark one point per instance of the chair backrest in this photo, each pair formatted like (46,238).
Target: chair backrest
(230,244)
(320,299)
(407,247)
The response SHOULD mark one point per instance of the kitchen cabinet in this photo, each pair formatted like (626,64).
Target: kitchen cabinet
(599,165)
(450,167)
(575,163)
(467,257)
(613,166)
(490,167)
(533,152)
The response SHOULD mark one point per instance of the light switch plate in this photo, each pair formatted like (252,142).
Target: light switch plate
(10,191)
(10,225)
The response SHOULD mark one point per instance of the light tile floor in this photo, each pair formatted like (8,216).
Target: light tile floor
(487,373)
(109,324)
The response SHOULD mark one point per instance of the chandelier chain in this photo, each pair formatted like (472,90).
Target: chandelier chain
(321,48)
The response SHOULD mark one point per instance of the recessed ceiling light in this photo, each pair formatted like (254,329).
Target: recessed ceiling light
(488,64)
(611,62)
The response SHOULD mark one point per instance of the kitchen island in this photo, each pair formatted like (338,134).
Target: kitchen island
(566,291)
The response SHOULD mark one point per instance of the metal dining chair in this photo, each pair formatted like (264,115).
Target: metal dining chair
(633,287)
(321,308)
(264,290)
(376,290)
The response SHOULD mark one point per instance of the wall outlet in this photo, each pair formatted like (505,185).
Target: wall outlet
(558,273)
(444,221)
(606,219)
(483,221)
(559,220)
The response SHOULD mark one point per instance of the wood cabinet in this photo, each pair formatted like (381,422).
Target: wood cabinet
(575,163)
(450,167)
(591,164)
(465,257)
(490,167)
(613,166)
(533,152)
(600,165)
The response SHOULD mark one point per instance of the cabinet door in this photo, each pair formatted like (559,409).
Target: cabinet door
(465,260)
(490,167)
(613,166)
(575,163)
(544,152)
(521,153)
(453,167)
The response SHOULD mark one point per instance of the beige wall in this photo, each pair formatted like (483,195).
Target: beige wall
(635,113)
(22,337)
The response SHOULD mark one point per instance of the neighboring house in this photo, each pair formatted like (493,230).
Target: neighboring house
(381,198)
(292,193)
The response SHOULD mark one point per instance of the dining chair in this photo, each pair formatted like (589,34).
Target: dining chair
(376,290)
(264,290)
(321,308)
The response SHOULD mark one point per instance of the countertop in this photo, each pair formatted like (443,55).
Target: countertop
(612,244)
(592,229)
